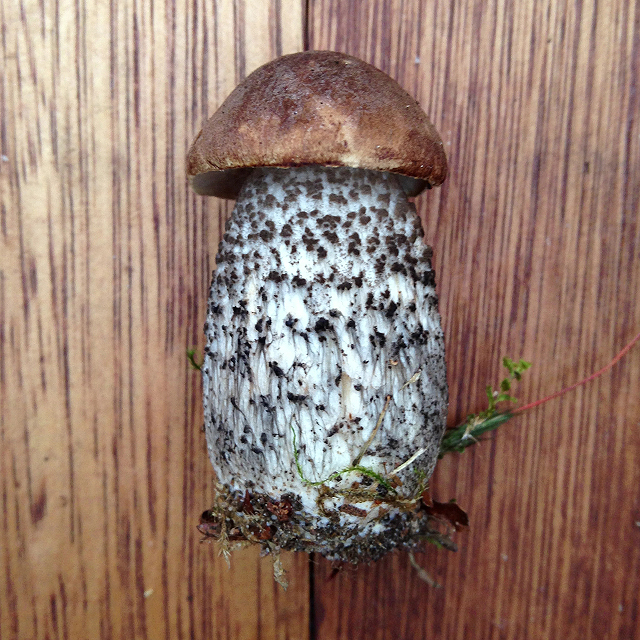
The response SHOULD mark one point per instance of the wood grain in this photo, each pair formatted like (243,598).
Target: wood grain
(105,262)
(537,243)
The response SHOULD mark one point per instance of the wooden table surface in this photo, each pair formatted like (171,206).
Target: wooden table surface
(105,258)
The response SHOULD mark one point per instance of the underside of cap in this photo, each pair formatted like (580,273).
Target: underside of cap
(316,108)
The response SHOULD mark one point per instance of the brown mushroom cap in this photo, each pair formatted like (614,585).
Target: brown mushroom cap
(316,107)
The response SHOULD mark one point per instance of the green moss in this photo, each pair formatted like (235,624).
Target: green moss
(365,471)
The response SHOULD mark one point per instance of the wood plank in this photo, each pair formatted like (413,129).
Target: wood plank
(105,260)
(537,237)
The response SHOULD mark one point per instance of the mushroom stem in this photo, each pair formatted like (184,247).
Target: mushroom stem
(323,304)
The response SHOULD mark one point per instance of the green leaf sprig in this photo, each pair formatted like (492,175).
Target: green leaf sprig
(466,434)
(191,356)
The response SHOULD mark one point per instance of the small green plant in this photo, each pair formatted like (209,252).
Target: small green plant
(191,356)
(466,434)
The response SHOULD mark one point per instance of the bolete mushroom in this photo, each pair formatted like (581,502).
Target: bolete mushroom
(325,390)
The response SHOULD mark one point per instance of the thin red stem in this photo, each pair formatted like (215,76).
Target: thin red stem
(593,376)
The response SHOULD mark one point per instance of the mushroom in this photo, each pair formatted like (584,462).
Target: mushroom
(325,389)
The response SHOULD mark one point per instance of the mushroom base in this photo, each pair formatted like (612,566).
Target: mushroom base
(283,524)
